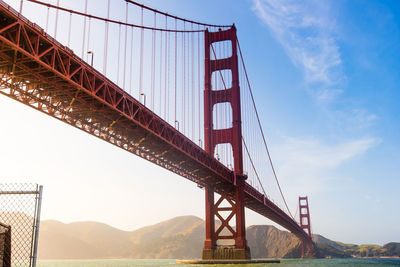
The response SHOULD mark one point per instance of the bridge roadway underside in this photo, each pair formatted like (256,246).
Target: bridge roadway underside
(39,72)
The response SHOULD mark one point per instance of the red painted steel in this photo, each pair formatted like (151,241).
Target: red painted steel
(38,71)
(231,135)
(304,214)
(305,224)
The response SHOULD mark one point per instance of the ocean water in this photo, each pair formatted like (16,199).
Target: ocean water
(162,263)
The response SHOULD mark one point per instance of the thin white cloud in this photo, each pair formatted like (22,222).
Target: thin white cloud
(306,30)
(363,118)
(309,164)
(350,120)
(312,153)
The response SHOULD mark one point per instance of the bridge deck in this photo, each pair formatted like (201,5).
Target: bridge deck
(38,71)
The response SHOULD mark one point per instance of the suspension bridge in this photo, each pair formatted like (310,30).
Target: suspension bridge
(172,91)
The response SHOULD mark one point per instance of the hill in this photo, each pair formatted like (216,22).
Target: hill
(175,238)
(269,242)
(80,240)
(392,248)
(180,237)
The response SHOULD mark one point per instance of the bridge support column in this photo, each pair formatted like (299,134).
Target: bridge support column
(216,245)
(307,246)
(224,251)
(210,242)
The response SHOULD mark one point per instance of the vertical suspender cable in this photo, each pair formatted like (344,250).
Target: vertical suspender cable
(69,29)
(106,41)
(215,115)
(20,6)
(88,41)
(229,109)
(198,82)
(193,108)
(47,19)
(188,74)
(126,37)
(131,65)
(141,55)
(221,106)
(84,31)
(165,72)
(183,80)
(119,51)
(188,90)
(167,68)
(246,119)
(227,113)
(169,77)
(222,110)
(176,58)
(161,61)
(56,22)
(224,106)
(153,63)
(218,86)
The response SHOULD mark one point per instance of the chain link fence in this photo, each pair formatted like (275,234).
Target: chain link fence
(5,245)
(19,224)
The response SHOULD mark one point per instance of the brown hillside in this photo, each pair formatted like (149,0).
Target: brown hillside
(269,242)
(180,237)
(80,240)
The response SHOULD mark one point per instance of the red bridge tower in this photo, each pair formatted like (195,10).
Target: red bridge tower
(305,224)
(232,136)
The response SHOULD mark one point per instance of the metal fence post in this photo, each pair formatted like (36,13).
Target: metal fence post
(35,247)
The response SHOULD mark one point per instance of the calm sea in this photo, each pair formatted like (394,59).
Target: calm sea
(161,263)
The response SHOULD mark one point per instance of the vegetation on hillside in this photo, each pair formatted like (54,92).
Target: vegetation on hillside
(331,248)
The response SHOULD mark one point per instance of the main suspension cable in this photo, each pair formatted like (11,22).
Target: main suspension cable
(262,132)
(109,20)
(252,164)
(175,17)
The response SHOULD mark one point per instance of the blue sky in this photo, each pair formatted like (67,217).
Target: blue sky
(326,78)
